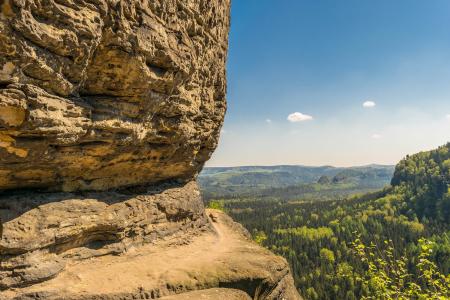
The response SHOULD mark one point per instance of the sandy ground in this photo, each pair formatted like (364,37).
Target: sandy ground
(209,260)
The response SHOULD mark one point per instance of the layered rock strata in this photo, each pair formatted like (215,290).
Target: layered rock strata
(108,111)
(99,94)
(218,255)
(42,233)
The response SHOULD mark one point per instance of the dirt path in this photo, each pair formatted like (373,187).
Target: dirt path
(210,260)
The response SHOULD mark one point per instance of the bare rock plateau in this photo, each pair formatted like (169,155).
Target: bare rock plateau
(108,111)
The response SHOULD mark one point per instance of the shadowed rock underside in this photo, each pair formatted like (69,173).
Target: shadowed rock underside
(215,254)
(97,94)
(108,110)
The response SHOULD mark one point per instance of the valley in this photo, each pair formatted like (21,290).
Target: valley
(313,216)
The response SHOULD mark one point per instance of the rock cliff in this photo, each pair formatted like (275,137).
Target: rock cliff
(98,94)
(108,110)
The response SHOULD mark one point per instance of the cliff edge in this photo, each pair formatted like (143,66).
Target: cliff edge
(218,260)
(108,111)
(100,94)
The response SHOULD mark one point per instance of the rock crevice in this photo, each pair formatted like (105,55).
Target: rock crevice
(42,233)
(108,111)
(104,94)
(216,256)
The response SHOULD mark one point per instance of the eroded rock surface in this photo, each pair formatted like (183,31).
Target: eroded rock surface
(44,232)
(222,257)
(98,94)
(108,110)
(217,293)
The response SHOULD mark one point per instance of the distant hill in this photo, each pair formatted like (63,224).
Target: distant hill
(423,180)
(314,226)
(226,182)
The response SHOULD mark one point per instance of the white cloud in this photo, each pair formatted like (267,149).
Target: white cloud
(268,121)
(448,116)
(298,117)
(376,136)
(369,104)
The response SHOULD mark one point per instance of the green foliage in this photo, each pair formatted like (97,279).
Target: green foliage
(327,256)
(423,180)
(312,294)
(313,226)
(289,182)
(314,236)
(311,234)
(217,204)
(259,237)
(387,276)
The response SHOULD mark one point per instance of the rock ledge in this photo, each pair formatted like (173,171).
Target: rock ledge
(220,257)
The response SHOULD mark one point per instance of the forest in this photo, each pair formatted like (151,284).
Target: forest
(288,182)
(342,242)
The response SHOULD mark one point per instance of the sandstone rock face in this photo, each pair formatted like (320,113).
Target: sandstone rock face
(108,110)
(42,233)
(228,294)
(99,94)
(217,262)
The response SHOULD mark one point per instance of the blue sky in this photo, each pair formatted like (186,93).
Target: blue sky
(324,59)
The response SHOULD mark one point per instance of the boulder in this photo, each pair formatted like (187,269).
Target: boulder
(100,94)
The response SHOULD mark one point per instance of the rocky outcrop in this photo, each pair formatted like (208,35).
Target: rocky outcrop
(97,94)
(43,233)
(228,294)
(196,256)
(108,110)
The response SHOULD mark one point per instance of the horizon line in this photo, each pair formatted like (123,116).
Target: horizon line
(300,165)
